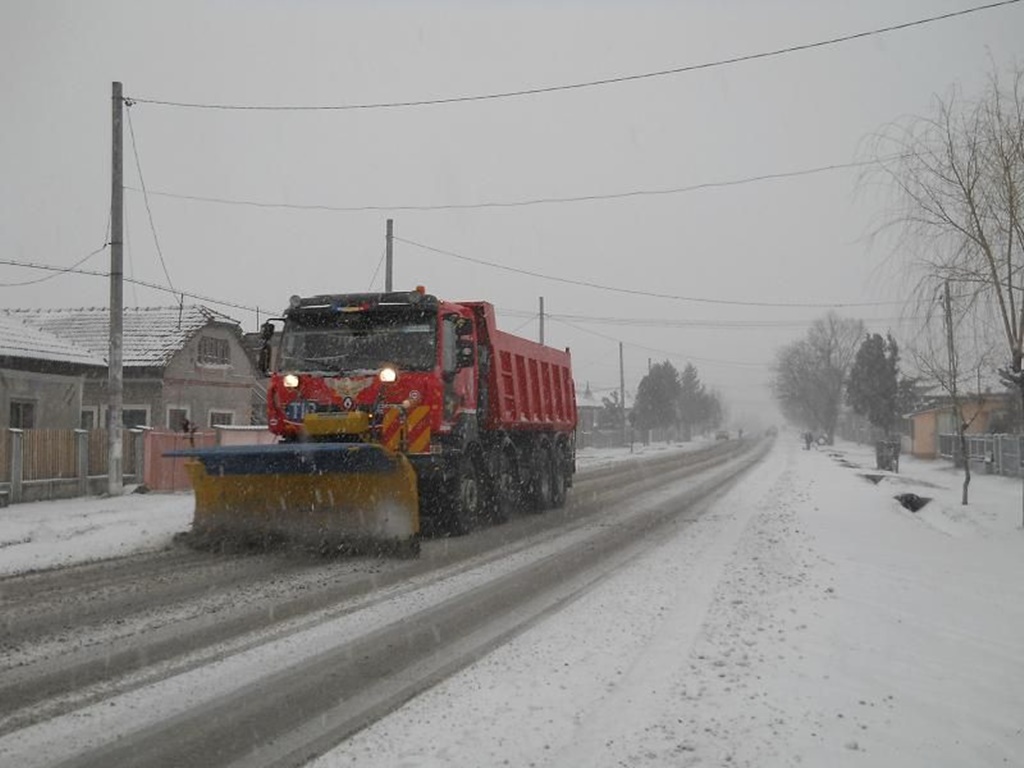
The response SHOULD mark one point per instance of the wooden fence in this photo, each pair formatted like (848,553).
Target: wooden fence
(40,464)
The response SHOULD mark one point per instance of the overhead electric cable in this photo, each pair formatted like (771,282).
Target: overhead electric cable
(723,325)
(616,80)
(649,294)
(677,355)
(145,197)
(528,201)
(383,255)
(145,284)
(57,271)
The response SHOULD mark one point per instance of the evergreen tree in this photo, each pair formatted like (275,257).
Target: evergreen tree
(657,397)
(873,389)
(692,400)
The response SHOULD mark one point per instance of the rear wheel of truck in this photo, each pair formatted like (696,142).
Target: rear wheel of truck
(559,480)
(505,492)
(542,481)
(464,499)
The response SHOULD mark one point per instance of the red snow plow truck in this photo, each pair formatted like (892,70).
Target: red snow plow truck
(395,411)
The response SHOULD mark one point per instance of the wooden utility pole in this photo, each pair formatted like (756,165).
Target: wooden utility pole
(115,380)
(541,319)
(389,255)
(622,394)
(954,373)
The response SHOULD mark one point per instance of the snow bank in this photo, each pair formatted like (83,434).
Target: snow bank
(51,534)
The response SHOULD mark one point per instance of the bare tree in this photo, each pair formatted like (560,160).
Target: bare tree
(957,359)
(810,374)
(959,178)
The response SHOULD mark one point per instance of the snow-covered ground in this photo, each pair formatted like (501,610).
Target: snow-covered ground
(805,619)
(51,534)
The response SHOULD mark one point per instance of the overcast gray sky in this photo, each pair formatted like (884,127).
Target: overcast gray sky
(795,240)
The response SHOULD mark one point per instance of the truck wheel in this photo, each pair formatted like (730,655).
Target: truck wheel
(559,484)
(505,489)
(465,499)
(542,482)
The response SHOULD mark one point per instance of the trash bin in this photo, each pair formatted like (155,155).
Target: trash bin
(887,455)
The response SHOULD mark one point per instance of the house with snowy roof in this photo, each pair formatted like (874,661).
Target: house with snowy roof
(986,407)
(181,364)
(42,377)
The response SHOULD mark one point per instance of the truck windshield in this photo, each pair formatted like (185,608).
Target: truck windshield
(354,341)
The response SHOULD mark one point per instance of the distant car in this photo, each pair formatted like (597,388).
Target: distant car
(722,434)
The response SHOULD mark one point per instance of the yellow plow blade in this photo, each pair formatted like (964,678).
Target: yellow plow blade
(352,497)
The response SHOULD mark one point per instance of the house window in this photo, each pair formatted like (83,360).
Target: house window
(134,416)
(89,418)
(23,414)
(213,351)
(222,418)
(177,416)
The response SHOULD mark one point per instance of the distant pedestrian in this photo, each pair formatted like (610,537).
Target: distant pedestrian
(808,439)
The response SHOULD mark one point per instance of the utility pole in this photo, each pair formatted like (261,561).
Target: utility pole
(622,394)
(389,257)
(541,319)
(115,380)
(954,373)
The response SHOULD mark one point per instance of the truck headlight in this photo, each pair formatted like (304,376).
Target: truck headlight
(290,381)
(388,375)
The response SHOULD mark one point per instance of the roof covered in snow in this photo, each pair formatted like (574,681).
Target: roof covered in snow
(20,340)
(152,335)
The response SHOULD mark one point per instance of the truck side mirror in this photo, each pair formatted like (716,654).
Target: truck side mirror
(464,357)
(263,361)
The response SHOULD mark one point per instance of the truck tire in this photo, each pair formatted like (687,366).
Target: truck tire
(465,498)
(559,479)
(505,489)
(541,481)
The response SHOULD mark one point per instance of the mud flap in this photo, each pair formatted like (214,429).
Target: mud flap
(355,497)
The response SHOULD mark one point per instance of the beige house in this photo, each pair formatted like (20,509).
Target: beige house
(181,364)
(937,419)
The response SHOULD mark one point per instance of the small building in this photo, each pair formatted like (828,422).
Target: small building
(181,364)
(42,377)
(936,417)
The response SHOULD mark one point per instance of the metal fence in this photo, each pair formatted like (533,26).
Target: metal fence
(992,454)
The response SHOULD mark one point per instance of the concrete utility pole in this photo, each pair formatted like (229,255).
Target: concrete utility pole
(115,381)
(389,257)
(541,319)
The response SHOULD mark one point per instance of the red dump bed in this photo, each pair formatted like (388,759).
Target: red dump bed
(530,385)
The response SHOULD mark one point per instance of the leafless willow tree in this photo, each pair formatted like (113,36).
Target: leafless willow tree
(954,350)
(959,181)
(810,373)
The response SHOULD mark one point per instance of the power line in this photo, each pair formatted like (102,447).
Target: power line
(616,80)
(648,294)
(677,355)
(143,283)
(554,200)
(383,255)
(520,327)
(57,271)
(145,197)
(718,325)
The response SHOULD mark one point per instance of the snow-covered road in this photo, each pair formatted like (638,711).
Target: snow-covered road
(804,619)
(808,619)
